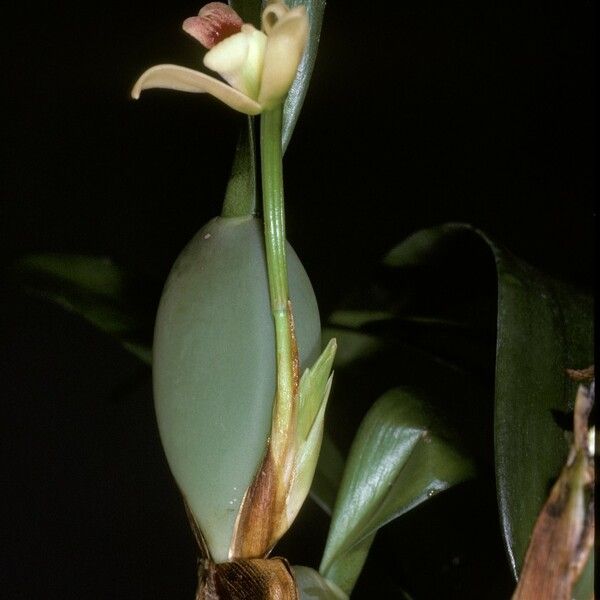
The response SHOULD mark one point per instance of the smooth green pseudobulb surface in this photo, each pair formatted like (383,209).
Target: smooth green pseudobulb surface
(214,367)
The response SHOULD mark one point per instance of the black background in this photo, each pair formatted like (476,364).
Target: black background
(415,116)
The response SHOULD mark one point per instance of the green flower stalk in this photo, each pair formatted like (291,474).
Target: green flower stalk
(284,479)
(238,322)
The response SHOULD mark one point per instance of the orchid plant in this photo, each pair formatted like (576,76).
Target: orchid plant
(259,68)
(242,379)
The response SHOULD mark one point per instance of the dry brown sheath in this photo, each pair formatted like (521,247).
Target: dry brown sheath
(254,529)
(250,579)
(262,518)
(564,531)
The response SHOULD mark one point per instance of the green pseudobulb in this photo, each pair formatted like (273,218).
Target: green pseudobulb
(214,367)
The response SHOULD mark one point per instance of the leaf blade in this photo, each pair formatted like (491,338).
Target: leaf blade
(98,290)
(393,443)
(542,328)
(328,474)
(313,586)
(297,93)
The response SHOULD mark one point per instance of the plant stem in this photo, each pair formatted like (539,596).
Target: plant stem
(274,216)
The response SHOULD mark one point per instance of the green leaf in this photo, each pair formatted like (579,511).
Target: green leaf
(543,327)
(297,93)
(360,320)
(399,459)
(313,390)
(313,394)
(240,196)
(313,586)
(352,346)
(356,319)
(105,294)
(328,475)
(584,588)
(356,353)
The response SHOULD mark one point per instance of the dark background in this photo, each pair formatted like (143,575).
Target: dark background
(415,116)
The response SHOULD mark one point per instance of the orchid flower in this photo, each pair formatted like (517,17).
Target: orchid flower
(258,66)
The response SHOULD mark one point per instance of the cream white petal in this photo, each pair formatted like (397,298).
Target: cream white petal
(252,73)
(239,59)
(229,55)
(285,46)
(272,14)
(175,77)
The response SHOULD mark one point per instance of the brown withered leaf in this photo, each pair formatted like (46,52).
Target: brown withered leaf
(564,531)
(262,520)
(581,375)
(294,347)
(248,579)
(254,529)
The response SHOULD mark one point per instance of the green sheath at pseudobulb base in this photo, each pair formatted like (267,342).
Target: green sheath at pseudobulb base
(214,367)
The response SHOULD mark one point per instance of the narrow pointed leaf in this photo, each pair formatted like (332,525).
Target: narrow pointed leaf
(387,323)
(356,319)
(352,346)
(105,294)
(297,93)
(344,571)
(397,460)
(241,197)
(313,394)
(328,475)
(311,391)
(307,459)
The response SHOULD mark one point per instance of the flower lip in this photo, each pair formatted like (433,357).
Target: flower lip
(259,66)
(239,60)
(215,22)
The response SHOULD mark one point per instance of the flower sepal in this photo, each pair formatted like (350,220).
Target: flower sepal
(258,66)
